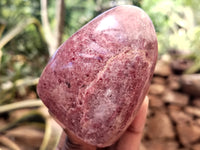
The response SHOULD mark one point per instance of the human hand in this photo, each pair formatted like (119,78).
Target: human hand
(130,140)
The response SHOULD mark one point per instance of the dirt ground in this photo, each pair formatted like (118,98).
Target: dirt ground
(173,121)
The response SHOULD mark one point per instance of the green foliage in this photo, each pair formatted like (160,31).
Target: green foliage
(24,55)
(28,44)
(14,11)
(177,24)
(78,13)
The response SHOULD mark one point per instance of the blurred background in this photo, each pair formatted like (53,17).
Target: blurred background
(31,31)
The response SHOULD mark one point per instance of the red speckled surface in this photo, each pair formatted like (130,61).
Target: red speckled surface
(97,80)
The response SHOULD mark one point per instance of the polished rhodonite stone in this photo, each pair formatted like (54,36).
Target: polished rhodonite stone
(96,81)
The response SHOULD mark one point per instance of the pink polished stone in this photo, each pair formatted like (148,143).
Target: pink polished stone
(96,81)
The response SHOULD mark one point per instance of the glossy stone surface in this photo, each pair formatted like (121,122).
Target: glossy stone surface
(96,81)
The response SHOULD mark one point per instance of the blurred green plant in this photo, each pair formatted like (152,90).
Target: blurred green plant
(30,31)
(35,118)
(177,25)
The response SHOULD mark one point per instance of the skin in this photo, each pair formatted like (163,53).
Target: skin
(130,140)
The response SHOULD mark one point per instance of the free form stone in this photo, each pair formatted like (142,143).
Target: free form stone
(96,81)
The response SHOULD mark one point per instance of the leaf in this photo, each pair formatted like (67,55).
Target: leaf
(19,105)
(8,143)
(32,118)
(52,132)
(18,29)
(27,136)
